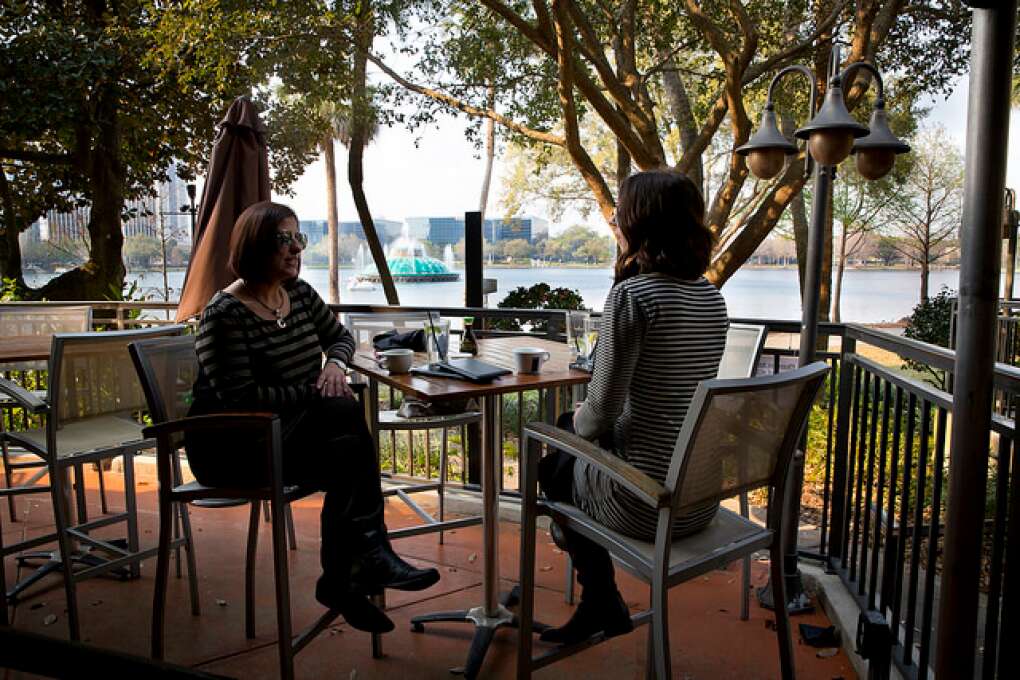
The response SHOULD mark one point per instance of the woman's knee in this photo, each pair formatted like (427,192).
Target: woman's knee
(566,421)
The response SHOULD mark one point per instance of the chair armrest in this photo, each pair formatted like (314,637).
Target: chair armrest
(25,399)
(645,487)
(258,422)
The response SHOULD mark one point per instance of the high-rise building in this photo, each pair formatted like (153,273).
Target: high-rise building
(316,230)
(444,230)
(387,229)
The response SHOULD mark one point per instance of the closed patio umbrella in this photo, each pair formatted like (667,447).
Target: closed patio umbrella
(238,176)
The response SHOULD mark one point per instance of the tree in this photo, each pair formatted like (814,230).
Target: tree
(517,249)
(141,251)
(107,95)
(927,213)
(672,83)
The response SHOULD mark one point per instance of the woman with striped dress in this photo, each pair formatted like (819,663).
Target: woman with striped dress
(662,332)
(260,345)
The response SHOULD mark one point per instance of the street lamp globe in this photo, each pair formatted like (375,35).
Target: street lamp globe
(767,149)
(876,153)
(832,131)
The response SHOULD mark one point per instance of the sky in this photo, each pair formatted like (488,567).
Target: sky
(435,171)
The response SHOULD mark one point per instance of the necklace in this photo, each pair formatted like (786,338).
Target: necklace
(277,311)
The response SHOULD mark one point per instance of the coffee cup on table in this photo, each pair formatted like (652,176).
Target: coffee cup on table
(529,360)
(397,360)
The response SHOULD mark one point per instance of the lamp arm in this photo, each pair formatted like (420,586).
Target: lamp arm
(844,78)
(806,72)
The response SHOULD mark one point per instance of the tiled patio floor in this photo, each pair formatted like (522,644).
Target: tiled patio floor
(707,637)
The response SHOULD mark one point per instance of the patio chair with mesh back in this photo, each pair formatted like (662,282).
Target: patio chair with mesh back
(364,327)
(34,320)
(92,407)
(167,368)
(738,435)
(744,343)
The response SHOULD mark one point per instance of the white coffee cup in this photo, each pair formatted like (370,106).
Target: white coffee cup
(529,360)
(397,360)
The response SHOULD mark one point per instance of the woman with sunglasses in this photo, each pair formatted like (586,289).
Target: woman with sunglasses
(260,345)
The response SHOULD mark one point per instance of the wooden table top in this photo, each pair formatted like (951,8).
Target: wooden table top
(25,348)
(496,351)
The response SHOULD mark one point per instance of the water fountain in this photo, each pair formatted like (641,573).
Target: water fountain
(408,263)
(358,282)
(448,256)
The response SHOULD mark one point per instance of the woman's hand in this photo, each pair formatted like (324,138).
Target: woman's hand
(332,382)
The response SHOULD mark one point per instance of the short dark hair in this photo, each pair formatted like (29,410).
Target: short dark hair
(253,241)
(661,215)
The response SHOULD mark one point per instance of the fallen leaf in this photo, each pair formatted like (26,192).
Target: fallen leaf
(96,603)
(222,603)
(451,569)
(545,567)
(38,605)
(472,557)
(826,653)
(49,620)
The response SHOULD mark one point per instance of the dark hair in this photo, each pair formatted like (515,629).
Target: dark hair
(661,215)
(254,242)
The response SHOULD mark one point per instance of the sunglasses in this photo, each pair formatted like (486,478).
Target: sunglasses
(286,238)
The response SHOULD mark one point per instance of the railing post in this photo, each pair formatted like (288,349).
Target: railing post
(994,28)
(843,401)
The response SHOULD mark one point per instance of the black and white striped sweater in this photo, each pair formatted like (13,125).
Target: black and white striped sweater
(659,337)
(250,363)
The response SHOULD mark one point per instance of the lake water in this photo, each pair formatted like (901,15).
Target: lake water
(869,296)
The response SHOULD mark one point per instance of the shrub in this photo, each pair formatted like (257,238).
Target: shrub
(929,322)
(538,296)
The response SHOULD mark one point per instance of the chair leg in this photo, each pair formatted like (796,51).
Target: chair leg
(568,592)
(442,480)
(291,533)
(660,628)
(61,518)
(283,623)
(79,495)
(103,507)
(162,575)
(8,473)
(189,551)
(526,607)
(131,505)
(782,615)
(265,512)
(178,479)
(745,570)
(249,571)
(4,620)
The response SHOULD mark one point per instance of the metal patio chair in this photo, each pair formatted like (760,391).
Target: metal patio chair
(92,411)
(364,327)
(738,435)
(24,320)
(167,368)
(744,343)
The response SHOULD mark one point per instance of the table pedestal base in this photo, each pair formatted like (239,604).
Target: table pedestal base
(485,628)
(51,564)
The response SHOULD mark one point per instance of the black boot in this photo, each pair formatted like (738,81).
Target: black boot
(379,567)
(606,614)
(356,608)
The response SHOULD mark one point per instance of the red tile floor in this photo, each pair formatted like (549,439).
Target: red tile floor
(707,638)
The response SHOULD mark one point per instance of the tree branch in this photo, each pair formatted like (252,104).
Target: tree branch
(469,109)
(29,156)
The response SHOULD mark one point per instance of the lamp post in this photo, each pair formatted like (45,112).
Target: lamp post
(832,134)
(1010,222)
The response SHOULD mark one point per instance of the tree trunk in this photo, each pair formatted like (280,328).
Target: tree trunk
(10,247)
(490,155)
(925,269)
(840,268)
(332,225)
(359,138)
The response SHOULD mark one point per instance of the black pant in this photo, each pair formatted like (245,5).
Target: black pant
(556,480)
(326,447)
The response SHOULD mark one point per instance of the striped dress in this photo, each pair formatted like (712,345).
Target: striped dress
(249,363)
(659,337)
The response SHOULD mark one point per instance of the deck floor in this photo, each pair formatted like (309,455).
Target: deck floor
(707,638)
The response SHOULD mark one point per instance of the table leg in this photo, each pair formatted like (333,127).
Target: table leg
(493,613)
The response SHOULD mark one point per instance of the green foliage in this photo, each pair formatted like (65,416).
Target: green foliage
(538,296)
(9,290)
(929,322)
